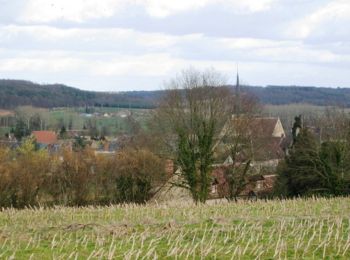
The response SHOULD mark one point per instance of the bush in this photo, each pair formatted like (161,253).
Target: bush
(30,177)
(22,174)
(6,178)
(138,172)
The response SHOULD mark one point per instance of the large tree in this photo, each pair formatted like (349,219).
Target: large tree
(193,113)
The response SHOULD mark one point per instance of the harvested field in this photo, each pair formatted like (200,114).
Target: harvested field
(293,229)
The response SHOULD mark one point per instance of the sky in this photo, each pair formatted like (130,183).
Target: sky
(120,45)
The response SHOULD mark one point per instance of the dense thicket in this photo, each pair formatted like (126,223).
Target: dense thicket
(30,177)
(15,93)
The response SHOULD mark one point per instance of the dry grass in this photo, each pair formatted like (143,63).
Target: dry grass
(312,229)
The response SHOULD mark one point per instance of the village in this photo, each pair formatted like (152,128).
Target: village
(269,143)
(162,129)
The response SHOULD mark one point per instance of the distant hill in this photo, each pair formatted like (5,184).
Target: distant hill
(321,96)
(15,93)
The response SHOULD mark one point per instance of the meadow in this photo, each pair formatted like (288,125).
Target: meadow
(115,125)
(312,228)
(76,118)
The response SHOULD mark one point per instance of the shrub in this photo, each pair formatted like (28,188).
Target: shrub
(139,171)
(30,177)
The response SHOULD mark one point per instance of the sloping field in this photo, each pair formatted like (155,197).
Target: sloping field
(299,229)
(4,112)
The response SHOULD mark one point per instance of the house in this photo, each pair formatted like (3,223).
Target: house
(257,127)
(266,136)
(124,113)
(265,149)
(106,115)
(256,186)
(73,133)
(263,141)
(105,146)
(259,185)
(46,139)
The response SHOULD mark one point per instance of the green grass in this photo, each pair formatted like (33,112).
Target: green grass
(114,125)
(299,229)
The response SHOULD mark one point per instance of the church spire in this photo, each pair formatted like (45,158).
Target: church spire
(237,95)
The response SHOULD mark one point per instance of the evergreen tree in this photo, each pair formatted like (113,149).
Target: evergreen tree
(21,129)
(70,123)
(35,123)
(63,132)
(302,167)
(311,169)
(79,143)
(296,128)
(335,157)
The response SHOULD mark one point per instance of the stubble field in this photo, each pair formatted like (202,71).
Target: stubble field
(293,229)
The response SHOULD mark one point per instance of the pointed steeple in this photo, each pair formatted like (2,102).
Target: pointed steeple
(237,95)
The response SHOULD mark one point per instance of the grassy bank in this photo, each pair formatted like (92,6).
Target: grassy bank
(313,228)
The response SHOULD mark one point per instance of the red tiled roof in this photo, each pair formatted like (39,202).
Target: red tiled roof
(45,137)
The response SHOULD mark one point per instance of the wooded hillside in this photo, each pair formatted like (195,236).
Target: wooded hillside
(15,93)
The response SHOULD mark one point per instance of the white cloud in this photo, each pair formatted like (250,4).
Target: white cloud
(300,54)
(106,65)
(250,43)
(43,11)
(141,50)
(37,64)
(90,39)
(159,8)
(328,19)
(163,8)
(251,6)
(71,10)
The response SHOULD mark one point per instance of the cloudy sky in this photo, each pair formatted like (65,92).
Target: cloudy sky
(119,45)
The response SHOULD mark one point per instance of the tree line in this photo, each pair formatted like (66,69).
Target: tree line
(31,177)
(15,93)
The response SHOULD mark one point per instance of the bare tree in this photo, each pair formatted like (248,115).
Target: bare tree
(238,144)
(193,113)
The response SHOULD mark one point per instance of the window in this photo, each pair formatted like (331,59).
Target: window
(258,185)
